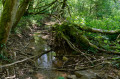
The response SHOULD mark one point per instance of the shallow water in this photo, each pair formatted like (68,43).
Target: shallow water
(46,67)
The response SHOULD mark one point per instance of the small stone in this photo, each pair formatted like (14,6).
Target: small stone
(71,77)
(85,77)
(85,74)
(110,77)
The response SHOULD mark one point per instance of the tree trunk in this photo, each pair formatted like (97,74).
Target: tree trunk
(6,20)
(3,1)
(20,12)
(10,16)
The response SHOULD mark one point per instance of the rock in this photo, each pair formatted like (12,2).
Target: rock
(71,77)
(57,63)
(110,77)
(86,74)
(98,77)
(95,74)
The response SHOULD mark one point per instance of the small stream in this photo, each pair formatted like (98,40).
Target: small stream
(46,69)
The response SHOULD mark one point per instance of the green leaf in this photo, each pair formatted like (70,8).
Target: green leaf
(105,41)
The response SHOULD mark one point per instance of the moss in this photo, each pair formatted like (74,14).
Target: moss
(20,11)
(5,21)
(72,33)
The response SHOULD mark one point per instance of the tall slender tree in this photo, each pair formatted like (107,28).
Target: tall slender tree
(11,14)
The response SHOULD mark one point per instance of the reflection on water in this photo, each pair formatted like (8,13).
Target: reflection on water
(45,61)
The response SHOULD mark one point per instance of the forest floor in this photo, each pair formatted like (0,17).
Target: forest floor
(20,46)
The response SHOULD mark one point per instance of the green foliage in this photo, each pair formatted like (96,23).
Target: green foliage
(116,58)
(4,56)
(3,45)
(111,23)
(116,62)
(93,50)
(101,14)
(27,22)
(105,23)
(76,20)
(40,6)
(0,5)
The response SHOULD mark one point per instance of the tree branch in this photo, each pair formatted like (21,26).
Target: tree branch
(20,12)
(94,30)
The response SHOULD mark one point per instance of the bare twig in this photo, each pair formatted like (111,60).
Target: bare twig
(12,77)
(39,55)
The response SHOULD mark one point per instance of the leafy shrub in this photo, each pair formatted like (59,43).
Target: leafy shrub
(105,23)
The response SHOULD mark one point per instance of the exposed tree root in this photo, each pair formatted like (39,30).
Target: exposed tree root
(74,48)
(71,34)
(90,45)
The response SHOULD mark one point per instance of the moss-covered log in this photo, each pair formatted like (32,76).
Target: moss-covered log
(88,29)
(94,30)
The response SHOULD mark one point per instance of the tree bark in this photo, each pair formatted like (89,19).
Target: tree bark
(11,14)
(3,1)
(94,30)
(20,12)
(6,20)
(112,32)
(63,7)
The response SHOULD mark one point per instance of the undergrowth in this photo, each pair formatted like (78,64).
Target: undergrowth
(27,22)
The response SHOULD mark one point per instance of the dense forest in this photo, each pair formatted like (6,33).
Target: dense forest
(59,39)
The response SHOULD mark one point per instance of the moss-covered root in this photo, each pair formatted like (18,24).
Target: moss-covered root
(94,30)
(72,33)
